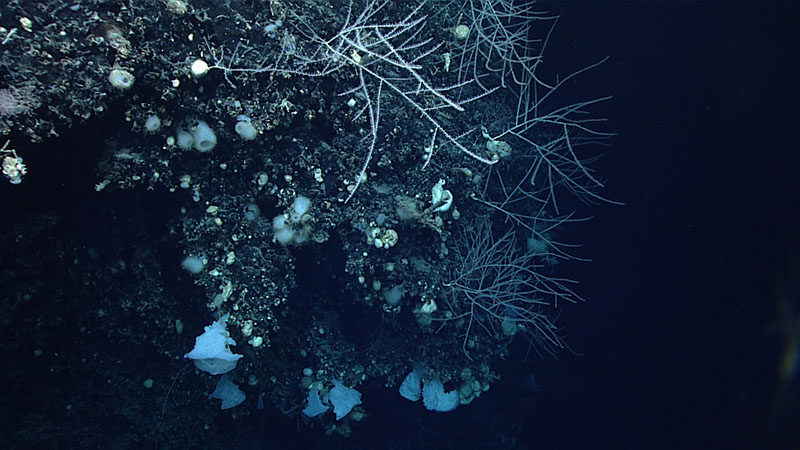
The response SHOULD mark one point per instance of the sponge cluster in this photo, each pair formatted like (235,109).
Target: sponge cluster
(200,137)
(343,399)
(434,398)
(293,227)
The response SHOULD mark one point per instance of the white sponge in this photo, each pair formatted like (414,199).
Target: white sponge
(211,352)
(436,399)
(411,388)
(343,399)
(228,392)
(283,231)
(300,207)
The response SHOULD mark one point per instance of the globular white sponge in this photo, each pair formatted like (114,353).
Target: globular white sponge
(246,130)
(199,68)
(211,352)
(193,264)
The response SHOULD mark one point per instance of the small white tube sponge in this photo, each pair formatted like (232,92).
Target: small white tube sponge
(204,138)
(211,352)
(121,79)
